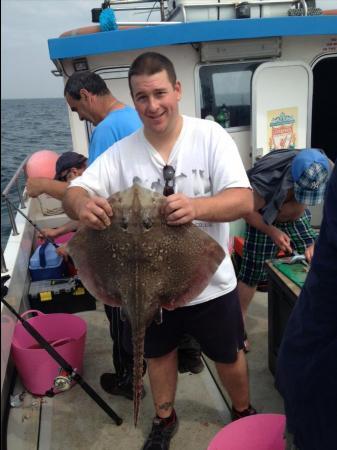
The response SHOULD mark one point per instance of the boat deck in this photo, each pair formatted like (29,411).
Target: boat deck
(73,420)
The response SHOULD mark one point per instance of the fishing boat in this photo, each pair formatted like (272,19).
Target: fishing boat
(265,70)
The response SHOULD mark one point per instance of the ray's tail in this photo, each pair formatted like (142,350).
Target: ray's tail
(138,357)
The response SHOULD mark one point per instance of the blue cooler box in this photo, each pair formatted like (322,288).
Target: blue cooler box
(46,264)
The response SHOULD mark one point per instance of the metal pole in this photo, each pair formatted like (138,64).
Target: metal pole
(7,189)
(3,262)
(22,203)
(32,223)
(11,218)
(162,11)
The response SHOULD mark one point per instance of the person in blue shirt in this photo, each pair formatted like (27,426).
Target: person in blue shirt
(306,373)
(88,95)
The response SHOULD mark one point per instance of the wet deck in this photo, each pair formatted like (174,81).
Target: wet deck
(72,420)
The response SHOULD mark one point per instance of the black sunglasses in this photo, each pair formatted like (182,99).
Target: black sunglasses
(168,174)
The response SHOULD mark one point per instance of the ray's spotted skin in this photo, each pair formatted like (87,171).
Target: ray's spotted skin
(141,264)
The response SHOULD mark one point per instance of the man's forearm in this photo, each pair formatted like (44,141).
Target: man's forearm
(228,205)
(54,188)
(256,220)
(73,200)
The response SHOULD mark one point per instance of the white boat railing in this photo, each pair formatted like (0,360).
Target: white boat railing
(299,5)
(3,263)
(166,12)
(129,5)
(14,182)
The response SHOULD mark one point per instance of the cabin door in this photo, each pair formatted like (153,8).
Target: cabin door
(281,106)
(324,101)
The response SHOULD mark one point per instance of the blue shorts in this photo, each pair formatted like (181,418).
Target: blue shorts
(217,325)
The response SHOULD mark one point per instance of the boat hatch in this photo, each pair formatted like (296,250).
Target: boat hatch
(281,106)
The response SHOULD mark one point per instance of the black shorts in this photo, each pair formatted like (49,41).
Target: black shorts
(217,325)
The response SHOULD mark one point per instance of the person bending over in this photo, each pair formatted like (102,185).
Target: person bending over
(284,182)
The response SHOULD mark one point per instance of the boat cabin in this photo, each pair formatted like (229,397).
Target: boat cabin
(267,79)
(265,70)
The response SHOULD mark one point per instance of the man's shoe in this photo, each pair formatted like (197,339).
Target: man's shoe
(235,415)
(189,362)
(115,385)
(161,434)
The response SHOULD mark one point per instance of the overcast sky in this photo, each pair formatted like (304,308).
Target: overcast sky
(26,25)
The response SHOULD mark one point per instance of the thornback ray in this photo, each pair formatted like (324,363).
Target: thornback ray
(141,264)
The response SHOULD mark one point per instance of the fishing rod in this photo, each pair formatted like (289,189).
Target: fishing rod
(62,382)
(30,221)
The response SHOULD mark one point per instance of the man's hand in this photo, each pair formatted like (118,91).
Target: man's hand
(62,251)
(95,212)
(309,252)
(179,209)
(280,239)
(50,233)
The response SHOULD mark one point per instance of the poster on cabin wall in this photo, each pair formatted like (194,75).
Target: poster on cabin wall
(282,128)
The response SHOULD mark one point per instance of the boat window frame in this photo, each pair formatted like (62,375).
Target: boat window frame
(197,83)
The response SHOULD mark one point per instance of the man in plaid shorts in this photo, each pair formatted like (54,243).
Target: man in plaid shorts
(284,183)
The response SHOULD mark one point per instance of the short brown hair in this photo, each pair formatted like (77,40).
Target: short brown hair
(150,63)
(90,81)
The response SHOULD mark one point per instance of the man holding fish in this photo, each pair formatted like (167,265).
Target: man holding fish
(199,162)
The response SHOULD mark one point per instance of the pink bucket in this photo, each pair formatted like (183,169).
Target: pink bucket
(37,369)
(258,432)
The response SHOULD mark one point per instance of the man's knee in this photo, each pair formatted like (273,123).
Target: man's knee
(238,361)
(170,356)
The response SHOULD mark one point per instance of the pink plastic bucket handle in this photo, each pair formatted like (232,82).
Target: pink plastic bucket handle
(58,342)
(61,341)
(29,311)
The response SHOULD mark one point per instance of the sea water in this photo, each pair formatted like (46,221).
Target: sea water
(29,125)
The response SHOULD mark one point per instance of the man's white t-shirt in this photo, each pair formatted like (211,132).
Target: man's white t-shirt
(206,161)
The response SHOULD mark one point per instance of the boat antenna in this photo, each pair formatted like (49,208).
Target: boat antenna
(71,373)
(31,222)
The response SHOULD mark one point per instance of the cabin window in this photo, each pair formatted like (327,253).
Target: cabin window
(225,93)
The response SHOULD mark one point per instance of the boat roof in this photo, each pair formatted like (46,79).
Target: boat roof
(191,32)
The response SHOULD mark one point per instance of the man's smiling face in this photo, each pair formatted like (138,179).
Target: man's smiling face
(156,101)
